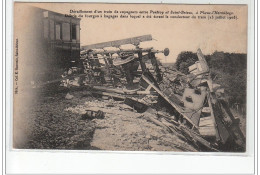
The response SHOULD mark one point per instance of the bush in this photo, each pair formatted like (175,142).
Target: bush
(227,69)
(184,60)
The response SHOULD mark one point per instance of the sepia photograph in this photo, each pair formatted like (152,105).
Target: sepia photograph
(130,77)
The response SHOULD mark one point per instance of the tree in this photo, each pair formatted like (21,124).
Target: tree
(184,60)
(227,69)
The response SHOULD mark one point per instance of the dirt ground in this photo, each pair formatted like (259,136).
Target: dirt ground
(55,122)
(48,126)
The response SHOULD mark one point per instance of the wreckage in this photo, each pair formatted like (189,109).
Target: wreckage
(190,106)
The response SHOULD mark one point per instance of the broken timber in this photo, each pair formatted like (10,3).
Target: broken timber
(177,129)
(139,106)
(117,43)
(122,91)
(113,95)
(169,101)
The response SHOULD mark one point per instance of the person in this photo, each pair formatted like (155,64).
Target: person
(130,66)
(95,65)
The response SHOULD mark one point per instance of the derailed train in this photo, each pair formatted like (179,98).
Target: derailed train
(191,101)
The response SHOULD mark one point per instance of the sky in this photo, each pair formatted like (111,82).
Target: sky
(176,34)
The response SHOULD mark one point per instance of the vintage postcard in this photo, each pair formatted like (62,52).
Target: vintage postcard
(130,77)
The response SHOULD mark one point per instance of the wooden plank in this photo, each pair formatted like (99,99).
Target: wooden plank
(150,117)
(119,91)
(122,91)
(169,101)
(207,121)
(198,138)
(113,112)
(222,130)
(207,125)
(117,43)
(207,131)
(109,94)
(206,110)
(214,118)
(172,97)
(203,63)
(194,116)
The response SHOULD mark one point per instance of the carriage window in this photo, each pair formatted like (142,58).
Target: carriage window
(73,32)
(52,29)
(65,31)
(77,32)
(46,28)
(58,31)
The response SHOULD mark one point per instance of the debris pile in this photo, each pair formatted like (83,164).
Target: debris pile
(123,128)
(166,109)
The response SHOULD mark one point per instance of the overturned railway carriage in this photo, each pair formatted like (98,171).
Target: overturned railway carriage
(187,103)
(62,37)
(52,43)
